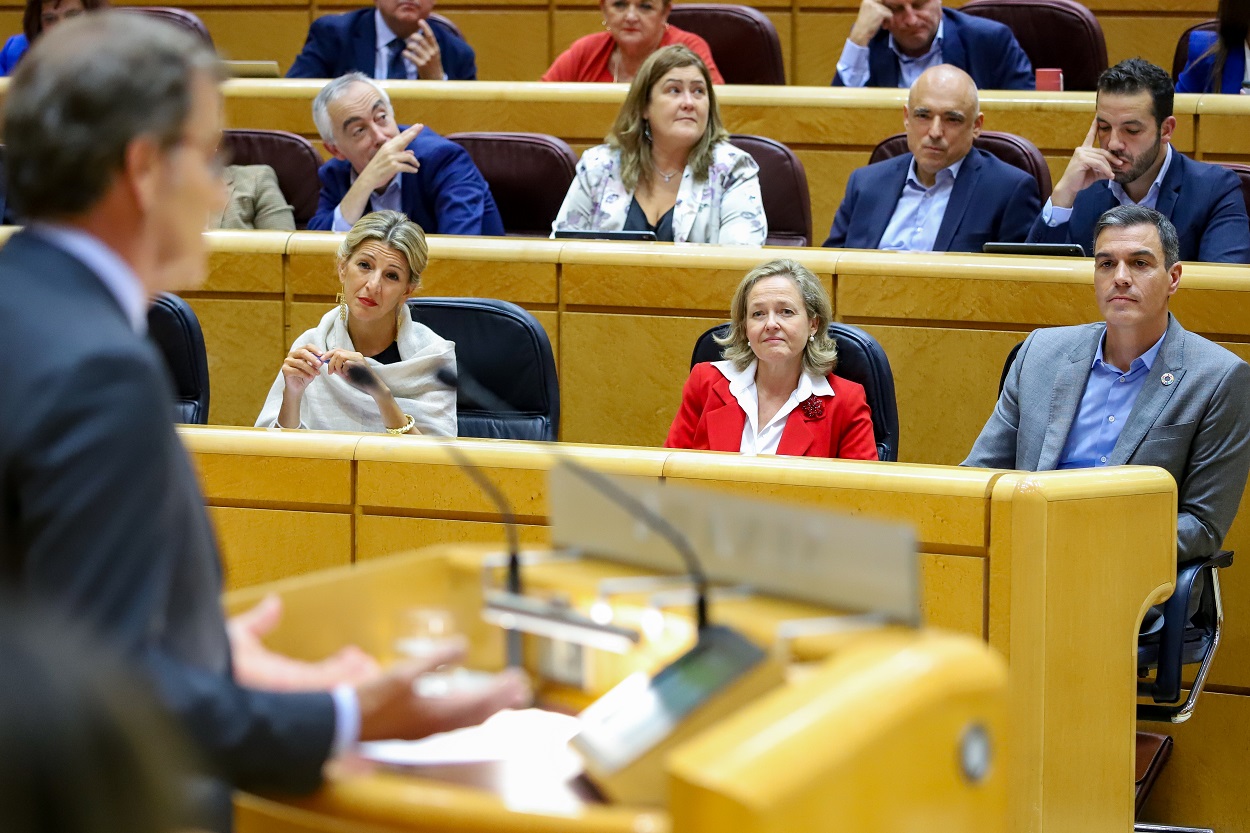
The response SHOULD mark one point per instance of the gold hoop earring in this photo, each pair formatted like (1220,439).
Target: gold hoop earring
(341,300)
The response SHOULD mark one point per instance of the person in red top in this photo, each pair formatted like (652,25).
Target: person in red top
(775,392)
(635,29)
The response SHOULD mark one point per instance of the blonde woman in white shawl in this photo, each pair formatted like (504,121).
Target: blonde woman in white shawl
(368,366)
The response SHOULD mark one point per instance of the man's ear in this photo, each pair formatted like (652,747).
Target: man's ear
(1165,129)
(335,152)
(1174,278)
(977,125)
(141,169)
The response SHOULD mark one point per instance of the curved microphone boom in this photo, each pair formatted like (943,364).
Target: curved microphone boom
(604,486)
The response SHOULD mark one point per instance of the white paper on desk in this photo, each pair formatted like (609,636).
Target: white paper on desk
(530,748)
(529,735)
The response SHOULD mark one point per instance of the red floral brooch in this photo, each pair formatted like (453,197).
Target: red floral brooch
(813,407)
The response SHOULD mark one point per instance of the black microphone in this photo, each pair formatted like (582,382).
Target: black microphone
(505,510)
(604,486)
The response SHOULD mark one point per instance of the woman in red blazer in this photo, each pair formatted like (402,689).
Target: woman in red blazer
(775,392)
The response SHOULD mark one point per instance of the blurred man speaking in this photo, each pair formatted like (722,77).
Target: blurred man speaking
(112,125)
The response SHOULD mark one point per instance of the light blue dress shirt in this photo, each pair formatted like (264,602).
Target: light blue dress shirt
(391,199)
(1105,406)
(918,214)
(1055,216)
(854,70)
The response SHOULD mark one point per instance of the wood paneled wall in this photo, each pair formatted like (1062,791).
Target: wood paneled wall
(518,41)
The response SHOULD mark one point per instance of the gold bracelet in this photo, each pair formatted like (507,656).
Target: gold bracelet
(405,429)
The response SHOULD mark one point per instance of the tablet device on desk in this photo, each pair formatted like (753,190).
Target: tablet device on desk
(1035,249)
(606,235)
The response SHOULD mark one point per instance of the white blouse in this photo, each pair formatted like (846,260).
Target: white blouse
(757,439)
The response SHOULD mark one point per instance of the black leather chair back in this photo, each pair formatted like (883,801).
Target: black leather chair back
(529,175)
(1055,34)
(783,186)
(292,157)
(1010,148)
(175,330)
(1011,359)
(178,17)
(860,359)
(1243,176)
(505,350)
(743,41)
(1181,56)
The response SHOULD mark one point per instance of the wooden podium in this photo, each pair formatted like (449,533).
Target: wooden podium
(876,729)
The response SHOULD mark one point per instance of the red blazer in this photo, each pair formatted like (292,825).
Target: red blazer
(711,419)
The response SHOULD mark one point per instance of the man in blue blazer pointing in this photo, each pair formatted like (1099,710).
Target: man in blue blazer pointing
(893,41)
(944,195)
(1134,163)
(391,40)
(376,166)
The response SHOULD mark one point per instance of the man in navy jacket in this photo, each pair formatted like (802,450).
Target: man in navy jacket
(893,41)
(376,166)
(944,195)
(1135,163)
(391,40)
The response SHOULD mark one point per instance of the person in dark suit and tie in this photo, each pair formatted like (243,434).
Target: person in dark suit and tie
(893,41)
(944,195)
(112,125)
(392,39)
(1134,389)
(1135,164)
(380,165)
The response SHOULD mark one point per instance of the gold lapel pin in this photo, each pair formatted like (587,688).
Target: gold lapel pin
(1167,379)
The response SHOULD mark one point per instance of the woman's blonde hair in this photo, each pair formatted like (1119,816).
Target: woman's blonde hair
(394,229)
(820,354)
(631,135)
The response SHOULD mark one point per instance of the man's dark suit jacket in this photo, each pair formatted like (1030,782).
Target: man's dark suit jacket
(991,202)
(446,196)
(985,49)
(340,43)
(1202,200)
(101,517)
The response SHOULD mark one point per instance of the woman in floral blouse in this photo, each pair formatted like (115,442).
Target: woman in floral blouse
(668,166)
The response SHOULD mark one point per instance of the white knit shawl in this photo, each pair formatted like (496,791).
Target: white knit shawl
(331,404)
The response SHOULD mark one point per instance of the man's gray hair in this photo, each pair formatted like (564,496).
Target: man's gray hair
(331,92)
(83,93)
(1123,216)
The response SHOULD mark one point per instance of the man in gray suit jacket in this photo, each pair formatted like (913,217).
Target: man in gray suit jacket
(1138,389)
(112,126)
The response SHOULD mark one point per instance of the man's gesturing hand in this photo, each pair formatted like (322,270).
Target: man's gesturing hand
(392,158)
(872,16)
(391,708)
(422,49)
(1088,165)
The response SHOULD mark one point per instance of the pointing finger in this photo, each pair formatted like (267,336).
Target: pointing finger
(1089,137)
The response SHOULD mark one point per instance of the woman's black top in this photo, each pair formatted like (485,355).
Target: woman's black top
(388,356)
(636,220)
